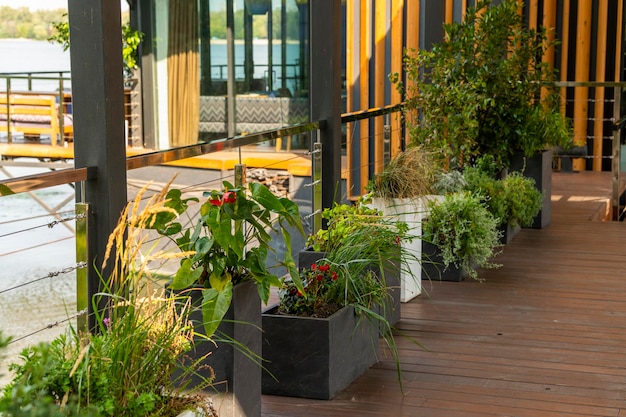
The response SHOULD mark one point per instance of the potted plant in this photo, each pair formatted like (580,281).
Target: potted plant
(460,235)
(367,240)
(224,269)
(317,341)
(513,200)
(126,366)
(402,191)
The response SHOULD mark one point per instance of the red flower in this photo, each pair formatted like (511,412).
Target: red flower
(313,267)
(299,293)
(333,275)
(320,277)
(229,197)
(324,268)
(398,240)
(217,202)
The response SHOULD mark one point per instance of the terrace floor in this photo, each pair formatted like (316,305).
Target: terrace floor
(544,335)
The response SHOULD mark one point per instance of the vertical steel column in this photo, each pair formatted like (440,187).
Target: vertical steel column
(387,140)
(98,98)
(82,287)
(316,183)
(325,91)
(616,162)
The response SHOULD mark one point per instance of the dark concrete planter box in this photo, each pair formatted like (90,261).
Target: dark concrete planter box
(433,267)
(313,357)
(237,385)
(308,256)
(508,233)
(539,168)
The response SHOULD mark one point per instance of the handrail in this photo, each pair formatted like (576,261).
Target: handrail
(175,154)
(372,112)
(49,179)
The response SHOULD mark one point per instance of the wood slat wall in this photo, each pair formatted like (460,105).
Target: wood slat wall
(590,47)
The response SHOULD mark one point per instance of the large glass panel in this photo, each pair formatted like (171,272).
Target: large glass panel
(270,62)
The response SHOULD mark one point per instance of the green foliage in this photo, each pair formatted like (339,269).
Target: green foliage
(491,190)
(409,174)
(130,41)
(523,199)
(126,368)
(259,24)
(485,89)
(229,243)
(449,182)
(20,22)
(327,288)
(464,231)
(513,200)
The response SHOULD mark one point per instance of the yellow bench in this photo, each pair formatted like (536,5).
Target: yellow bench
(35,116)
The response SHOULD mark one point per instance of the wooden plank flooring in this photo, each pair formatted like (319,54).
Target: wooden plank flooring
(545,335)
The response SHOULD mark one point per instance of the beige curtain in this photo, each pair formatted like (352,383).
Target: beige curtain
(183,72)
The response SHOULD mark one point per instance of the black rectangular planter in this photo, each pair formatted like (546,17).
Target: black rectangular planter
(539,168)
(391,312)
(313,357)
(433,267)
(237,385)
(508,232)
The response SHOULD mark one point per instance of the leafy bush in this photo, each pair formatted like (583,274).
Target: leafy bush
(464,231)
(485,90)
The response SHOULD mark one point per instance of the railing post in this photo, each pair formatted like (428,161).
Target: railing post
(9,136)
(325,88)
(98,97)
(316,183)
(616,152)
(387,140)
(82,287)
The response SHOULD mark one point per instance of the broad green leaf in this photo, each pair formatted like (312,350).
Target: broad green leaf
(186,276)
(219,282)
(265,197)
(214,306)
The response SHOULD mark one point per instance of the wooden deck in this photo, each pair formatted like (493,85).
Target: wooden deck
(545,335)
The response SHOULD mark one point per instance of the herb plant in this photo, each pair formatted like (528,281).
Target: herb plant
(464,231)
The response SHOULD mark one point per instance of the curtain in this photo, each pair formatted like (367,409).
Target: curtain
(183,68)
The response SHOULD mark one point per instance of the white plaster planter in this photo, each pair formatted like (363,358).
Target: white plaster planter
(412,212)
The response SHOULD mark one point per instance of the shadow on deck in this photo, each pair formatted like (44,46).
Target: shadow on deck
(544,335)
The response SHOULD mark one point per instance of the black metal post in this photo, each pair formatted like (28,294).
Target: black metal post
(98,98)
(325,91)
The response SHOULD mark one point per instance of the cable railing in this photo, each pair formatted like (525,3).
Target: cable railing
(305,191)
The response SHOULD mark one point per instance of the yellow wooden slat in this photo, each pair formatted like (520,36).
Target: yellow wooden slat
(380,79)
(581,94)
(366,55)
(351,47)
(397,30)
(564,50)
(412,37)
(598,123)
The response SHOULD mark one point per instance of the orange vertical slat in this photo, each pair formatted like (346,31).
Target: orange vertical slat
(549,22)
(564,51)
(365,54)
(581,94)
(618,42)
(598,124)
(449,11)
(397,31)
(350,73)
(412,35)
(380,33)
(533,14)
